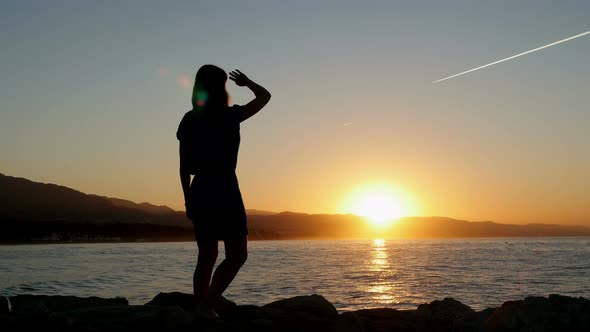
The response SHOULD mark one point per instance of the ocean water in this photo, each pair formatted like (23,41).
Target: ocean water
(352,274)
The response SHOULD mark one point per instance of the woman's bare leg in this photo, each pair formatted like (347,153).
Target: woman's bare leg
(204,269)
(236,253)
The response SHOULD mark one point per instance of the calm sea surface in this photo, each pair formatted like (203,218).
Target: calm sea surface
(351,274)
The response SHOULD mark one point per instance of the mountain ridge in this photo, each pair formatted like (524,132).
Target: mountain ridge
(32,210)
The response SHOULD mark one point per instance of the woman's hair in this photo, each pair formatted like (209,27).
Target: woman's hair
(209,90)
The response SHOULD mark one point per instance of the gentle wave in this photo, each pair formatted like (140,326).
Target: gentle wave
(351,274)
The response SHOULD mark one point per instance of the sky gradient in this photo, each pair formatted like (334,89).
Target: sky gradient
(92,93)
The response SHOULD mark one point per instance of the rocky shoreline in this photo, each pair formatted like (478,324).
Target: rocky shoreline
(173,312)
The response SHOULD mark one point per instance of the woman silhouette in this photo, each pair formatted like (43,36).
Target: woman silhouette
(209,138)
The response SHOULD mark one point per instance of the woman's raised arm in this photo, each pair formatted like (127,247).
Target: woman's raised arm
(262,96)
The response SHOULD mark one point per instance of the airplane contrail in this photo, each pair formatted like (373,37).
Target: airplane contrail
(515,56)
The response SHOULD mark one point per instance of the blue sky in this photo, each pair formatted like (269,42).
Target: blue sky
(91,95)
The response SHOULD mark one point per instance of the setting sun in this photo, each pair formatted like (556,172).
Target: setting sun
(380,204)
(380,209)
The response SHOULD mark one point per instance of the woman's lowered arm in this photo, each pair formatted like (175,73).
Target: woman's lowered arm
(185,175)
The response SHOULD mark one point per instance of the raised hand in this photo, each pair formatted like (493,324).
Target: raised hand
(240,78)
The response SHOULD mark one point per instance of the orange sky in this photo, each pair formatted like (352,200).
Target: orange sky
(94,100)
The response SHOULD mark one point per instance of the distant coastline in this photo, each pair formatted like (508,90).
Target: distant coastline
(40,242)
(38,213)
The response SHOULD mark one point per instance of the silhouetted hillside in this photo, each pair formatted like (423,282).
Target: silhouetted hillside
(436,227)
(252,212)
(286,225)
(39,211)
(163,209)
(32,211)
(25,200)
(146,207)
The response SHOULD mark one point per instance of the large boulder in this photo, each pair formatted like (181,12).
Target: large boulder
(248,312)
(187,302)
(46,322)
(4,309)
(445,310)
(225,307)
(315,305)
(301,313)
(349,322)
(129,318)
(183,300)
(472,321)
(442,315)
(556,313)
(379,319)
(31,304)
(573,312)
(535,312)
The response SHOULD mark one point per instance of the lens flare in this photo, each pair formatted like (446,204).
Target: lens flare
(202,98)
(184,81)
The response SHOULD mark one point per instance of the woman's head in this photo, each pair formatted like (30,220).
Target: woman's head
(209,90)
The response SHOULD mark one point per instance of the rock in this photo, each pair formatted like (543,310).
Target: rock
(248,312)
(442,315)
(225,307)
(301,313)
(534,313)
(349,322)
(22,304)
(129,318)
(272,319)
(183,300)
(573,312)
(4,309)
(9,323)
(187,302)
(557,313)
(445,310)
(173,311)
(316,305)
(259,319)
(46,322)
(261,325)
(473,321)
(503,318)
(381,319)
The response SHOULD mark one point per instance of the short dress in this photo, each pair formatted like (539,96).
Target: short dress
(210,140)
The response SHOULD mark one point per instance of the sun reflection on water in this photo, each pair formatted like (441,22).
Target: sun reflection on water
(379,262)
(381,286)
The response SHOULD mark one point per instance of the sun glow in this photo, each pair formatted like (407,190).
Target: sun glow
(380,204)
(378,208)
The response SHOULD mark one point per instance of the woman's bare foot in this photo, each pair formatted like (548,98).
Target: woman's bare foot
(206,313)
